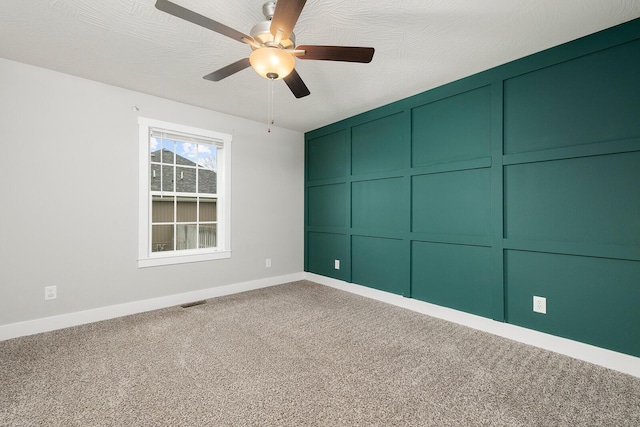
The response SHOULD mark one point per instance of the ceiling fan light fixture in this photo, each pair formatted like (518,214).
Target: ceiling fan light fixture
(271,62)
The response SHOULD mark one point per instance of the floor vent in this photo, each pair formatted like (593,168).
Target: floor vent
(193,304)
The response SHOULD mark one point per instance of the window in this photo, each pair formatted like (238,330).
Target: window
(184,194)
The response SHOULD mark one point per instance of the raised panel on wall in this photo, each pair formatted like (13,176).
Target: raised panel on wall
(327,205)
(380,264)
(593,300)
(587,200)
(452,129)
(380,145)
(538,159)
(452,203)
(379,205)
(590,99)
(327,156)
(322,251)
(455,276)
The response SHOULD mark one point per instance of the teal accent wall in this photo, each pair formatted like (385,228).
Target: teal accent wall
(518,181)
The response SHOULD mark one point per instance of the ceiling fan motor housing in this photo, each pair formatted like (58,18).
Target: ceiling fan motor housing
(261,33)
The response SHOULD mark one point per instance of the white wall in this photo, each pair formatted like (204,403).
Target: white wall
(69,215)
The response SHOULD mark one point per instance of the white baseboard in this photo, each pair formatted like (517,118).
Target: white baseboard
(588,353)
(30,327)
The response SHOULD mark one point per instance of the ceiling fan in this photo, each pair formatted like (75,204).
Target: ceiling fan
(273,44)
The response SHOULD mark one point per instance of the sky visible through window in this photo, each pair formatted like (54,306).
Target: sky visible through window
(203,155)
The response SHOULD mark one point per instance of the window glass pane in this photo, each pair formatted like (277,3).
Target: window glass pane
(208,236)
(155,147)
(167,153)
(187,153)
(155,178)
(161,209)
(186,236)
(207,181)
(185,180)
(187,209)
(207,157)
(167,178)
(161,238)
(208,210)
(207,167)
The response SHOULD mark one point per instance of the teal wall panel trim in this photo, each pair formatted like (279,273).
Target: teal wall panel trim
(453,203)
(589,99)
(375,203)
(497,284)
(327,155)
(377,146)
(381,263)
(329,205)
(520,181)
(324,249)
(455,276)
(592,200)
(593,300)
(452,129)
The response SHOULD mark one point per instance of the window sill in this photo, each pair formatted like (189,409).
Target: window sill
(170,259)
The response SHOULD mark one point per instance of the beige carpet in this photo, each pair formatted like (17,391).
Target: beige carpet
(299,354)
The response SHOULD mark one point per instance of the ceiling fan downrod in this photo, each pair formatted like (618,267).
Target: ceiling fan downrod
(268,9)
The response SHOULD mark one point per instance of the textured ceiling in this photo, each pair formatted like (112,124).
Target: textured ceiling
(420,44)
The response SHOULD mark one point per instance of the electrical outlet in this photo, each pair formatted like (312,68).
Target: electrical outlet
(540,305)
(337,264)
(50,292)
(268,263)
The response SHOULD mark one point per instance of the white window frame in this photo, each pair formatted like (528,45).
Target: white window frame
(147,258)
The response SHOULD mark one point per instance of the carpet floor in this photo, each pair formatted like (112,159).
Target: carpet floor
(299,354)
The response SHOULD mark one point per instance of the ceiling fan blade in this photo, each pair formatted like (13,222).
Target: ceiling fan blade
(203,21)
(285,16)
(230,69)
(297,86)
(337,53)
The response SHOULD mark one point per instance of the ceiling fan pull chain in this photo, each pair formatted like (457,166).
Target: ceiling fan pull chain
(270,105)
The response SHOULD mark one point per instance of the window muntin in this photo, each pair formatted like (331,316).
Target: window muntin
(186,215)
